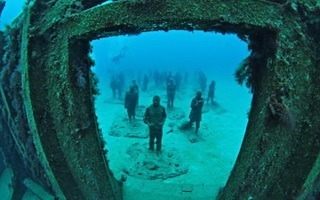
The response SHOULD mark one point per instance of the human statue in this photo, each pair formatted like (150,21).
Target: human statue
(155,117)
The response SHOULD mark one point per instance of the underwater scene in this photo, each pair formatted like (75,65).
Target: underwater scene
(159,99)
(178,64)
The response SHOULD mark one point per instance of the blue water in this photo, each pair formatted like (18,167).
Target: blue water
(12,9)
(216,55)
(221,133)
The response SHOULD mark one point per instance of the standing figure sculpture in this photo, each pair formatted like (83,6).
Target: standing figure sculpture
(211,92)
(171,91)
(155,117)
(113,86)
(130,103)
(145,83)
(196,111)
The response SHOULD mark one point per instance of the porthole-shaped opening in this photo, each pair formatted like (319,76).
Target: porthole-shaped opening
(190,164)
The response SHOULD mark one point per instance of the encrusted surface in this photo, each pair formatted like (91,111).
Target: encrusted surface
(281,143)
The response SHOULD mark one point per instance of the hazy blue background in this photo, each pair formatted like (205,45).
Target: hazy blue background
(215,54)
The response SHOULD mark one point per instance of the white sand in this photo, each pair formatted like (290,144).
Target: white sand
(210,159)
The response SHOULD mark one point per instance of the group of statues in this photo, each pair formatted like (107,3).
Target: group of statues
(160,79)
(155,117)
(117,85)
(155,114)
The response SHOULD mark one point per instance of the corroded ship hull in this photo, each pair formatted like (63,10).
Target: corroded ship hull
(49,131)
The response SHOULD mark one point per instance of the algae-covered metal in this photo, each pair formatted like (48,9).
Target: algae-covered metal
(279,154)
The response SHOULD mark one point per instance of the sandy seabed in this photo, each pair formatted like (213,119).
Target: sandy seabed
(190,166)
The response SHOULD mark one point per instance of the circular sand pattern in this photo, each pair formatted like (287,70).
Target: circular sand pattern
(121,127)
(146,164)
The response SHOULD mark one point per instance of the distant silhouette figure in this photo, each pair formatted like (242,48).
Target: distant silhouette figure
(169,78)
(116,59)
(171,91)
(113,86)
(211,92)
(135,88)
(145,83)
(196,111)
(202,81)
(177,79)
(130,103)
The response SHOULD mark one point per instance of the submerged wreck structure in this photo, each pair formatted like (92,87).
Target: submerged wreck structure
(48,129)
